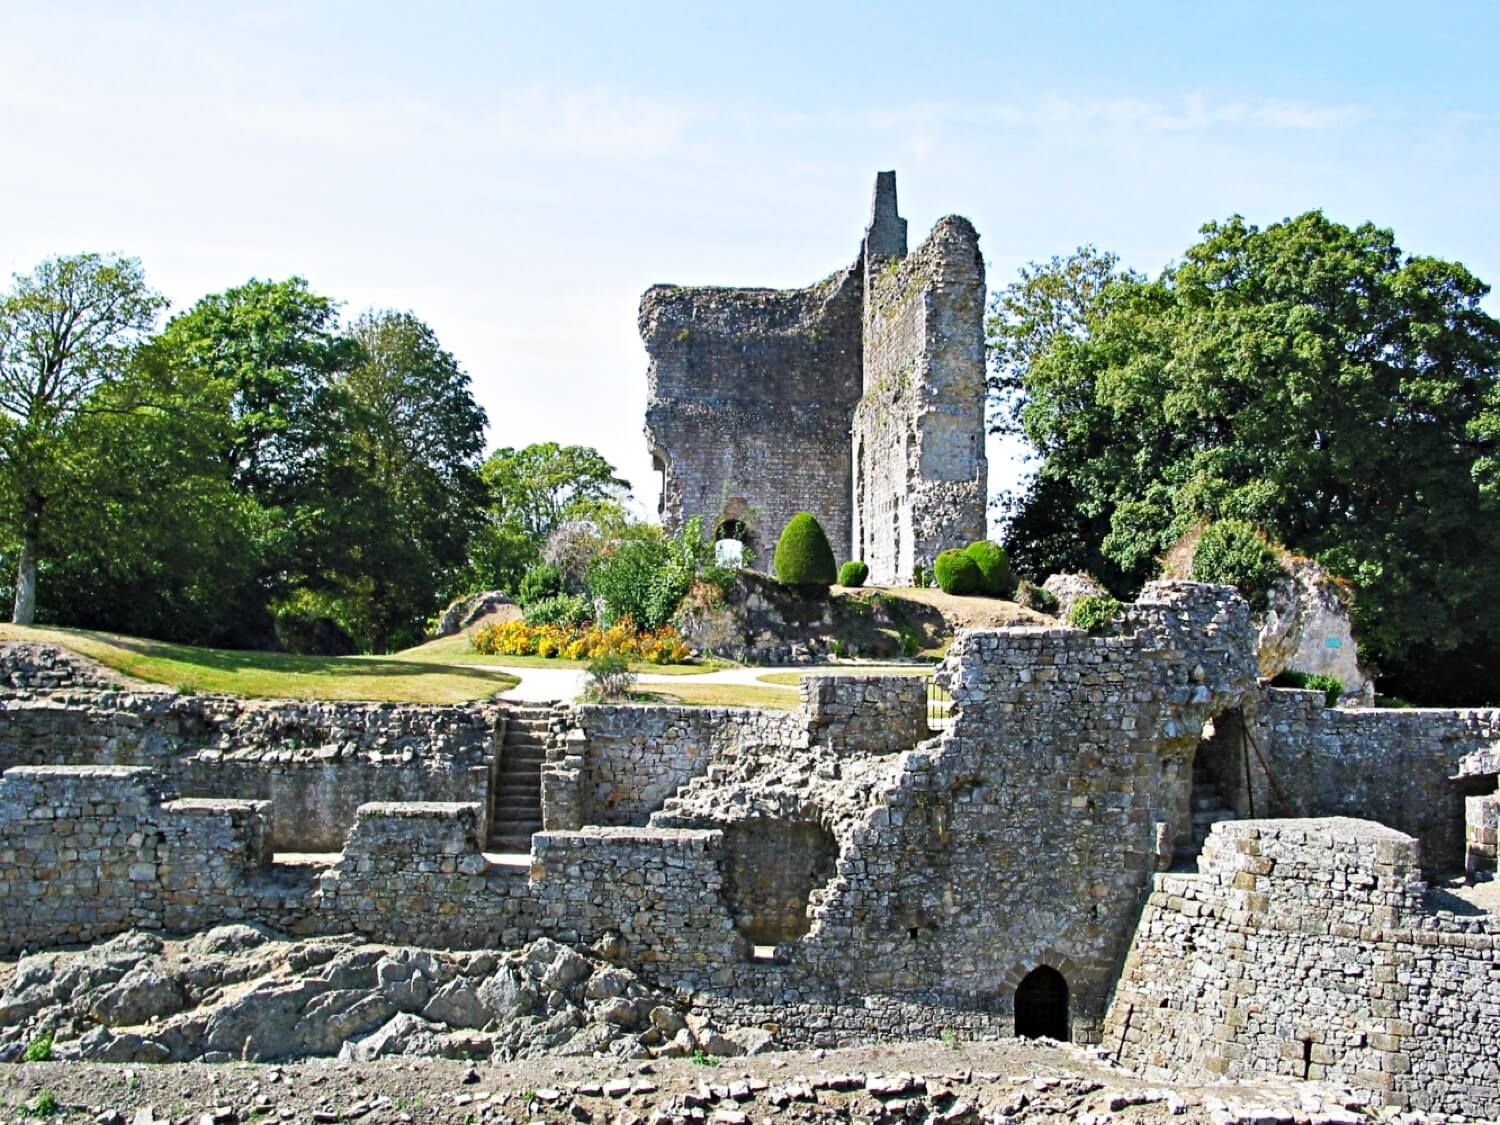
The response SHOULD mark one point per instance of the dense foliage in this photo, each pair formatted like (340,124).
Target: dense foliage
(1234,553)
(1309,378)
(803,556)
(1094,613)
(853,573)
(957,572)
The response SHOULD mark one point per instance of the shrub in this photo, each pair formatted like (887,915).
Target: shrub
(39,1049)
(994,568)
(957,573)
(1032,596)
(610,677)
(920,578)
(646,579)
(518,638)
(1331,686)
(561,609)
(803,556)
(1235,553)
(1095,613)
(538,584)
(853,573)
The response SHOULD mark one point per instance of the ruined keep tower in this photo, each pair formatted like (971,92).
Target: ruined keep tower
(859,399)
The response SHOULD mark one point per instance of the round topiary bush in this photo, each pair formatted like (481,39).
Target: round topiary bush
(803,556)
(994,568)
(1236,553)
(853,573)
(957,573)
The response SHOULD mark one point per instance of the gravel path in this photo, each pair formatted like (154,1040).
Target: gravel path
(962,1084)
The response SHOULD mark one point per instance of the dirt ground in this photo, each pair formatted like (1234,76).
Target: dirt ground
(959,612)
(933,1081)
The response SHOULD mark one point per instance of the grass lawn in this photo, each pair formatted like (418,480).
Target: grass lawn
(792,679)
(275,675)
(458,650)
(720,695)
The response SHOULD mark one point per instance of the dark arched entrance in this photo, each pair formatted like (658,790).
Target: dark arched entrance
(1042,1005)
(731,528)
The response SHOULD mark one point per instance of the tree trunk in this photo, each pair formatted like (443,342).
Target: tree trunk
(25,609)
(31,538)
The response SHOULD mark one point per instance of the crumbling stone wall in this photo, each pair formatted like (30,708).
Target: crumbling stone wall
(1025,834)
(1304,948)
(617,764)
(749,397)
(90,851)
(918,433)
(315,761)
(753,395)
(1392,766)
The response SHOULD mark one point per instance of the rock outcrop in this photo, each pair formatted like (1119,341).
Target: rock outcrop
(244,992)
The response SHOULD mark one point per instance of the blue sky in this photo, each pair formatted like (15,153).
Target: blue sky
(517,174)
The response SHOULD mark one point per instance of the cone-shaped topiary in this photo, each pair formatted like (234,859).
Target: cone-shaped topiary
(957,573)
(994,568)
(853,573)
(803,556)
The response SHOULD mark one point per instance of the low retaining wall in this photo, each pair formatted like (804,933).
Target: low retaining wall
(1391,766)
(316,762)
(1303,949)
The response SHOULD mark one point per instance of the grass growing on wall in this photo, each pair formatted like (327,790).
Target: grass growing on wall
(274,675)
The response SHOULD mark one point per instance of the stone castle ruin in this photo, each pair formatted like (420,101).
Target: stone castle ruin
(859,399)
(1126,840)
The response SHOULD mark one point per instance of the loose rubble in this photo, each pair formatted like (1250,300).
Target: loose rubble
(955,1084)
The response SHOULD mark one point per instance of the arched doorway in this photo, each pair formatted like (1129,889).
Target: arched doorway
(1042,1005)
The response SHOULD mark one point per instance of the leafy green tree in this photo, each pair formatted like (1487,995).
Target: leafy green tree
(532,491)
(276,347)
(275,355)
(67,331)
(1308,377)
(409,493)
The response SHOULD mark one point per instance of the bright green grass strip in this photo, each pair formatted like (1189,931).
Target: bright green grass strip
(723,695)
(274,675)
(457,650)
(792,679)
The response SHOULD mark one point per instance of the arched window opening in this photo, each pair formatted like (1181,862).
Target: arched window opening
(1042,1005)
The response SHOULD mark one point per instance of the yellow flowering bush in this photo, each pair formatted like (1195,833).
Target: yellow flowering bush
(586,642)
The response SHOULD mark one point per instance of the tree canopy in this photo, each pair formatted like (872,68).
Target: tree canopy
(1308,377)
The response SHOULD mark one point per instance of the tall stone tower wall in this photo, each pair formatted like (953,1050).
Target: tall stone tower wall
(918,433)
(860,399)
(750,393)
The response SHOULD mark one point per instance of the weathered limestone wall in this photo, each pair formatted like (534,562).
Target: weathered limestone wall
(918,433)
(1391,766)
(617,764)
(89,851)
(754,395)
(316,762)
(1303,948)
(749,397)
(26,667)
(1025,835)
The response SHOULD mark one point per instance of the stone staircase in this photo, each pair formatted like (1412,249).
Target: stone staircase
(1208,809)
(516,797)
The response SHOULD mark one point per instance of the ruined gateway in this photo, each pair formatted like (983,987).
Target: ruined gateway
(1082,848)
(859,399)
